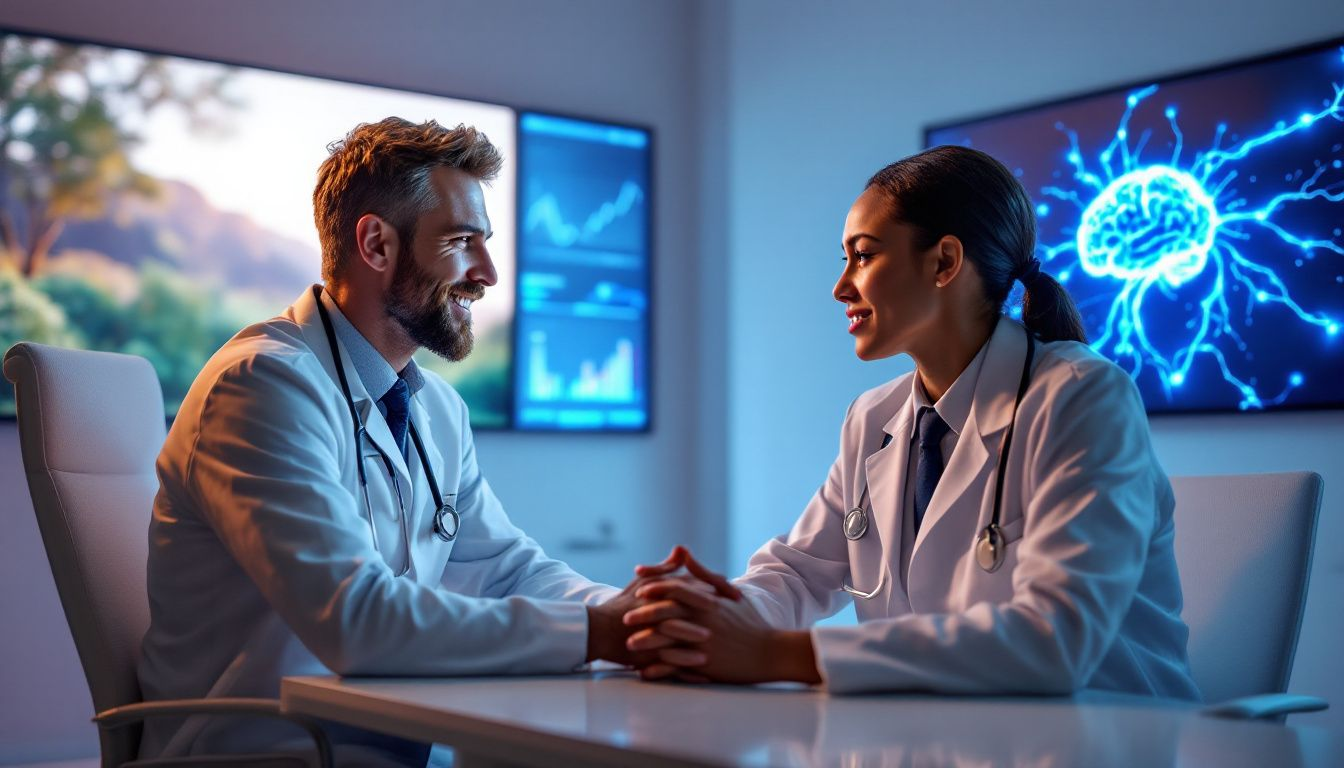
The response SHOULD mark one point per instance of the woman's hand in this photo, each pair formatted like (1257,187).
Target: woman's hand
(607,633)
(699,636)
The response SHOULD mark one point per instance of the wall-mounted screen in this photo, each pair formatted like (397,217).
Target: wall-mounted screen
(1196,220)
(154,204)
(582,328)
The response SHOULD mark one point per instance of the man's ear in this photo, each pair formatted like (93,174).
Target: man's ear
(377,242)
(951,257)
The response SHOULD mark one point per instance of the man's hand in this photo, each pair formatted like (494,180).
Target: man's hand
(606,633)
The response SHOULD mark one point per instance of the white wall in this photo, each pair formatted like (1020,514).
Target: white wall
(824,95)
(768,120)
(609,59)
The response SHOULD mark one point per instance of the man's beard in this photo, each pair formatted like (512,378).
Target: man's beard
(420,304)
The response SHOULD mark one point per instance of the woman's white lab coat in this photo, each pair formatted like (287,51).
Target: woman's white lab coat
(1089,594)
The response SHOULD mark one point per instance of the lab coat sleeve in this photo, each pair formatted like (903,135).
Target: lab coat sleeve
(493,558)
(794,580)
(1091,484)
(265,472)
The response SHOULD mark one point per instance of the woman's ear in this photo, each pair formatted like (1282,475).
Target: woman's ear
(377,242)
(951,257)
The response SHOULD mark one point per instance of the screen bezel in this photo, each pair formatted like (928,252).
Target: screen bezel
(518,111)
(1181,75)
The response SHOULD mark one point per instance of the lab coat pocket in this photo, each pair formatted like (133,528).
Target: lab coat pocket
(1012,532)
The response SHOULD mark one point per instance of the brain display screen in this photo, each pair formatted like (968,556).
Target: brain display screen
(1196,221)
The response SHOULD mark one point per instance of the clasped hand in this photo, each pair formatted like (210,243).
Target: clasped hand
(694,625)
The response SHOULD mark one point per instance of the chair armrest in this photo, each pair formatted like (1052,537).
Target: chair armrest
(117,717)
(1270,706)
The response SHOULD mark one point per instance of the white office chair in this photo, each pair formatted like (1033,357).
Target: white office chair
(90,427)
(1244,545)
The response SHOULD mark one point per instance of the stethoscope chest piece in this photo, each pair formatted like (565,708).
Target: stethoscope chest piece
(856,524)
(989,549)
(446,522)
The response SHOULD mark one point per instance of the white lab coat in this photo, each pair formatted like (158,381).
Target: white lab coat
(1089,594)
(261,561)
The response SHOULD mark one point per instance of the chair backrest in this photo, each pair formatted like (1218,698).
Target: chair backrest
(90,427)
(1243,546)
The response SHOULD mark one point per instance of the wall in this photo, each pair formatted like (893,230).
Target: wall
(767,123)
(826,94)
(623,61)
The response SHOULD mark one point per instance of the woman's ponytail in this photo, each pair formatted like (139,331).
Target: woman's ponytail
(1047,309)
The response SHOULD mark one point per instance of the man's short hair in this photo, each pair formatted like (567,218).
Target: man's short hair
(383,168)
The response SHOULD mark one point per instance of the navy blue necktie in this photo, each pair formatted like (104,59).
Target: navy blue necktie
(929,470)
(397,403)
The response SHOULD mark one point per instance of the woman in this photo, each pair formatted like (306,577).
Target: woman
(1071,584)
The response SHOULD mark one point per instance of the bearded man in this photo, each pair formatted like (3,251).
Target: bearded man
(320,506)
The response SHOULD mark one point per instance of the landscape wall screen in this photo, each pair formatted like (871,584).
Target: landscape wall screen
(1196,220)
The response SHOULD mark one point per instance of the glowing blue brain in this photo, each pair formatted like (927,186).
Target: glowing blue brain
(1155,220)
(1161,225)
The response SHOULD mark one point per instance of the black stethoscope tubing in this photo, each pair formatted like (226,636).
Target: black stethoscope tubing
(442,509)
(989,544)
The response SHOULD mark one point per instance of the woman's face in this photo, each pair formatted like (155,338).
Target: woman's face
(887,287)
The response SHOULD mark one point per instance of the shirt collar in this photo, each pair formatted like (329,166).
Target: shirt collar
(374,372)
(954,407)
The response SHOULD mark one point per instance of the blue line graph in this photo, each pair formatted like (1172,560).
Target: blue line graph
(544,214)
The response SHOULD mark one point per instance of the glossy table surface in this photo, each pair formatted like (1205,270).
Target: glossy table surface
(614,719)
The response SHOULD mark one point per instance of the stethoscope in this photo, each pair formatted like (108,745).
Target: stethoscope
(446,519)
(990,550)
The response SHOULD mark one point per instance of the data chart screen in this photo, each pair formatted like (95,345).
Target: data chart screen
(582,328)
(1197,222)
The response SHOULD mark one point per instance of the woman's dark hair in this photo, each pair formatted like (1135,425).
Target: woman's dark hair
(966,193)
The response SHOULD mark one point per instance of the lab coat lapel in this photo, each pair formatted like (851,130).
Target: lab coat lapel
(381,434)
(424,424)
(964,494)
(884,471)
(422,502)
(304,312)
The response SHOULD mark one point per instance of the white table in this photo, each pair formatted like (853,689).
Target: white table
(613,719)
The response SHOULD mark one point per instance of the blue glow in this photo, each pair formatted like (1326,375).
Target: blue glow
(1042,209)
(582,130)
(1159,225)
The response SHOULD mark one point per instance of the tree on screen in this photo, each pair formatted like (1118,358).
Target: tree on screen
(68,122)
